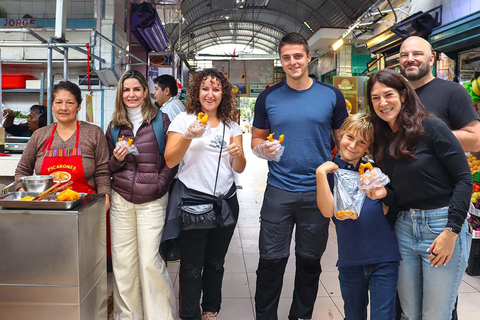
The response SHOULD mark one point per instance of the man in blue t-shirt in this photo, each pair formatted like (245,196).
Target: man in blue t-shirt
(306,112)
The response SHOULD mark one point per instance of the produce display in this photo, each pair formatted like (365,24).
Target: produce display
(473,163)
(473,88)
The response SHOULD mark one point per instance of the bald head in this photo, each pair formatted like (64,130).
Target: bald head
(417,42)
(416,60)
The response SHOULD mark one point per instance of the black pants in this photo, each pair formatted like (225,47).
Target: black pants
(201,267)
(270,280)
(281,211)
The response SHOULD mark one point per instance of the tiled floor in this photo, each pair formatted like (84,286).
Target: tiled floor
(242,259)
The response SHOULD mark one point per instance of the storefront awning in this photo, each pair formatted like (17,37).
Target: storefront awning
(458,35)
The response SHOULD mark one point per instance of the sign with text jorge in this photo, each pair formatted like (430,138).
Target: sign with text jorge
(349,88)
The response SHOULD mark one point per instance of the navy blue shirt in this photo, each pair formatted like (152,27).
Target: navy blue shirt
(367,240)
(306,118)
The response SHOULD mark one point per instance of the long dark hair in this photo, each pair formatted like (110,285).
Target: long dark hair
(226,109)
(403,143)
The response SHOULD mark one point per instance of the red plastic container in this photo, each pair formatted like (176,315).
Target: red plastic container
(15,81)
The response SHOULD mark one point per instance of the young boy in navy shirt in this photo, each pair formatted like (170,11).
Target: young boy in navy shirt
(368,255)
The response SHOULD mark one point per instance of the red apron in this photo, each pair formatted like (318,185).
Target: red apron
(65,164)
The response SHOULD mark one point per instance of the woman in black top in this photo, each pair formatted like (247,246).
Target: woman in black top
(431,184)
(36,119)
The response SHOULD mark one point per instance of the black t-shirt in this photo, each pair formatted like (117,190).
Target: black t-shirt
(19,130)
(439,177)
(449,101)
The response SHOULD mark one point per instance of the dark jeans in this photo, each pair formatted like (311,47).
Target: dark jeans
(380,279)
(201,267)
(281,211)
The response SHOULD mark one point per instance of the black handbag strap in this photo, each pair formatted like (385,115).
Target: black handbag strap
(219,158)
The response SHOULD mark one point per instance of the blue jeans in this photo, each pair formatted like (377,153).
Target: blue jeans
(427,292)
(380,279)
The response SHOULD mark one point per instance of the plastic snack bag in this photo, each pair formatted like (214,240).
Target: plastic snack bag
(372,179)
(127,143)
(348,199)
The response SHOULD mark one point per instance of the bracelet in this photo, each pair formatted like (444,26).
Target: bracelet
(451,230)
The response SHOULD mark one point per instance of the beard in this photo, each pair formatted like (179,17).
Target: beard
(423,70)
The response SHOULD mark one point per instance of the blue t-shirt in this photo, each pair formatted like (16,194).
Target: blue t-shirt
(367,240)
(306,118)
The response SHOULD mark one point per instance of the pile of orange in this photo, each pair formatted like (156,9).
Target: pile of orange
(473,163)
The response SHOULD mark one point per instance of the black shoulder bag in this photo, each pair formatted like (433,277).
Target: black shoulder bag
(201,216)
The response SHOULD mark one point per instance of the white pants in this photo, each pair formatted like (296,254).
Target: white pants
(141,288)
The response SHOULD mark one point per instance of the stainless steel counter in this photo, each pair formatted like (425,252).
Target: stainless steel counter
(53,263)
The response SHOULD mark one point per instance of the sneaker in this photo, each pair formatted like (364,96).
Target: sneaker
(209,315)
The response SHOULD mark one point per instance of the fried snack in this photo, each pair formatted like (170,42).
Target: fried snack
(203,117)
(346,214)
(121,138)
(130,142)
(280,139)
(270,137)
(364,166)
(27,198)
(68,195)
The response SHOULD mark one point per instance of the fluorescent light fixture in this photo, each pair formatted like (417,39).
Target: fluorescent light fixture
(337,44)
(147,27)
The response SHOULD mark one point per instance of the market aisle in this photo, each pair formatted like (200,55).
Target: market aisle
(242,259)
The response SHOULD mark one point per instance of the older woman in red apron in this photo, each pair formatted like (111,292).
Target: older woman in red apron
(69,149)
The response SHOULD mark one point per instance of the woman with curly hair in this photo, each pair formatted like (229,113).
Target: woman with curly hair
(431,184)
(210,153)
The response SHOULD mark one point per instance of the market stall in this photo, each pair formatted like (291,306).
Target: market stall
(53,261)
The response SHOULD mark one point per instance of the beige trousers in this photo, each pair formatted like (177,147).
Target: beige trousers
(142,288)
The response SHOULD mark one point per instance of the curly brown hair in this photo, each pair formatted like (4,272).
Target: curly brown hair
(226,108)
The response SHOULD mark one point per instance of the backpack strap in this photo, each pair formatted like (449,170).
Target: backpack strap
(114,132)
(157,124)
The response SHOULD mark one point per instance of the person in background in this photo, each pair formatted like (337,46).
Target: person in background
(36,119)
(447,100)
(421,154)
(368,255)
(305,111)
(142,285)
(78,147)
(210,158)
(165,95)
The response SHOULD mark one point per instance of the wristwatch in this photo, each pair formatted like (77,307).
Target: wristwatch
(451,230)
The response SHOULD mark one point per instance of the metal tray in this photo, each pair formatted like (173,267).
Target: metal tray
(12,201)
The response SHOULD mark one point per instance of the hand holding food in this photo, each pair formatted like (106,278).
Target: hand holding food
(371,179)
(127,145)
(271,151)
(197,128)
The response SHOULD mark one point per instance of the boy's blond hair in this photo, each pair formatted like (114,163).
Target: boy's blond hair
(358,123)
